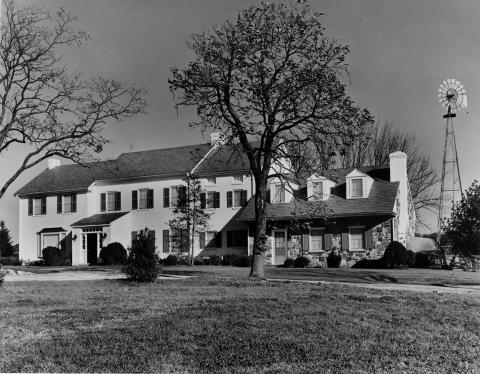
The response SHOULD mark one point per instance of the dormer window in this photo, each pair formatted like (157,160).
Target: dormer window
(356,186)
(317,190)
(279,193)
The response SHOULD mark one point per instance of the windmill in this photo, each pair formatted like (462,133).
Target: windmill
(452,96)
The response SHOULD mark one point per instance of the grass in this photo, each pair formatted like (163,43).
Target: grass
(211,324)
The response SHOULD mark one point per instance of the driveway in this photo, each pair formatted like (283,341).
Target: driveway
(84,275)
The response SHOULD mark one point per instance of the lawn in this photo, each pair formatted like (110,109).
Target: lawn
(212,324)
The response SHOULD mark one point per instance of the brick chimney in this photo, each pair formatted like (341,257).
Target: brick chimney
(53,163)
(398,173)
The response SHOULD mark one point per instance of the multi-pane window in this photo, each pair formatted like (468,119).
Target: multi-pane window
(110,201)
(356,187)
(142,199)
(317,189)
(316,240)
(213,200)
(67,204)
(278,193)
(37,206)
(238,179)
(236,198)
(357,238)
(237,239)
(178,195)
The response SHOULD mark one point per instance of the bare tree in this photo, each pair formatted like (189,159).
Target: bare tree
(375,147)
(44,107)
(272,75)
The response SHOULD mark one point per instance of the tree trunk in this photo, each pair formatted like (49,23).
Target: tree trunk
(260,235)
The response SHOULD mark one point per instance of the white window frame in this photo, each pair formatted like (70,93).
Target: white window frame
(34,206)
(69,205)
(173,202)
(60,234)
(139,206)
(208,200)
(110,200)
(282,187)
(350,247)
(317,196)
(234,192)
(322,229)
(352,195)
(237,179)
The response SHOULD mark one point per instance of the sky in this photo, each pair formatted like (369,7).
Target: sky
(400,52)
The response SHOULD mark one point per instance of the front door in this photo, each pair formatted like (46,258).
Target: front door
(92,247)
(280,246)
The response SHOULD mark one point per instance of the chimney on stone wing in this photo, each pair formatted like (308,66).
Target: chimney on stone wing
(53,163)
(398,173)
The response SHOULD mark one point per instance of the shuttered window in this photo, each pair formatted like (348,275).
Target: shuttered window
(213,200)
(145,199)
(316,240)
(110,201)
(37,206)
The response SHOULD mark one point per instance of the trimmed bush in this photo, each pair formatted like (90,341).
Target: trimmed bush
(243,261)
(198,261)
(214,260)
(12,261)
(142,263)
(422,261)
(397,256)
(113,254)
(301,262)
(334,259)
(228,260)
(288,263)
(53,256)
(170,260)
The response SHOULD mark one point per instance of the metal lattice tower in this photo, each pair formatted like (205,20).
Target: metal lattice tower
(452,95)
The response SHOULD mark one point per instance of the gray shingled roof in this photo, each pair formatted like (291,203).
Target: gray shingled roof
(380,201)
(229,158)
(73,177)
(99,219)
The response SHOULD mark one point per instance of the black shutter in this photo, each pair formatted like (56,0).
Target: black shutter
(59,203)
(118,201)
(150,199)
(30,206)
(229,199)
(368,239)
(44,205)
(244,197)
(328,242)
(345,240)
(268,197)
(201,240)
(306,242)
(166,241)
(218,240)
(166,198)
(134,200)
(134,236)
(151,234)
(182,196)
(203,200)
(103,202)
(74,203)
(229,239)
(216,200)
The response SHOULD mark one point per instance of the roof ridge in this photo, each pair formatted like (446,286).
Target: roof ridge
(164,149)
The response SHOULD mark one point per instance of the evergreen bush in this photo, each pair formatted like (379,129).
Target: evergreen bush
(171,260)
(142,262)
(301,262)
(334,259)
(243,261)
(214,260)
(228,260)
(288,263)
(12,261)
(114,254)
(397,256)
(53,256)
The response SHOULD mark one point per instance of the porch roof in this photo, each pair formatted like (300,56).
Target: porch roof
(100,219)
(51,229)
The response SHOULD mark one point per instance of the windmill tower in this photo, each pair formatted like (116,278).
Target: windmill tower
(452,96)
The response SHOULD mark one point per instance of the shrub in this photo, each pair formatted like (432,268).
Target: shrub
(214,260)
(334,259)
(35,263)
(243,261)
(410,257)
(113,254)
(288,263)
(142,263)
(53,256)
(171,260)
(396,256)
(12,261)
(301,262)
(227,260)
(198,261)
(369,264)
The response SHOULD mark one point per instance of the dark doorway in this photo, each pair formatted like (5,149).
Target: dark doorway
(92,248)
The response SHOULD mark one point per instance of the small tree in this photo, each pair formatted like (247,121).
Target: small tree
(463,227)
(190,217)
(6,246)
(142,263)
